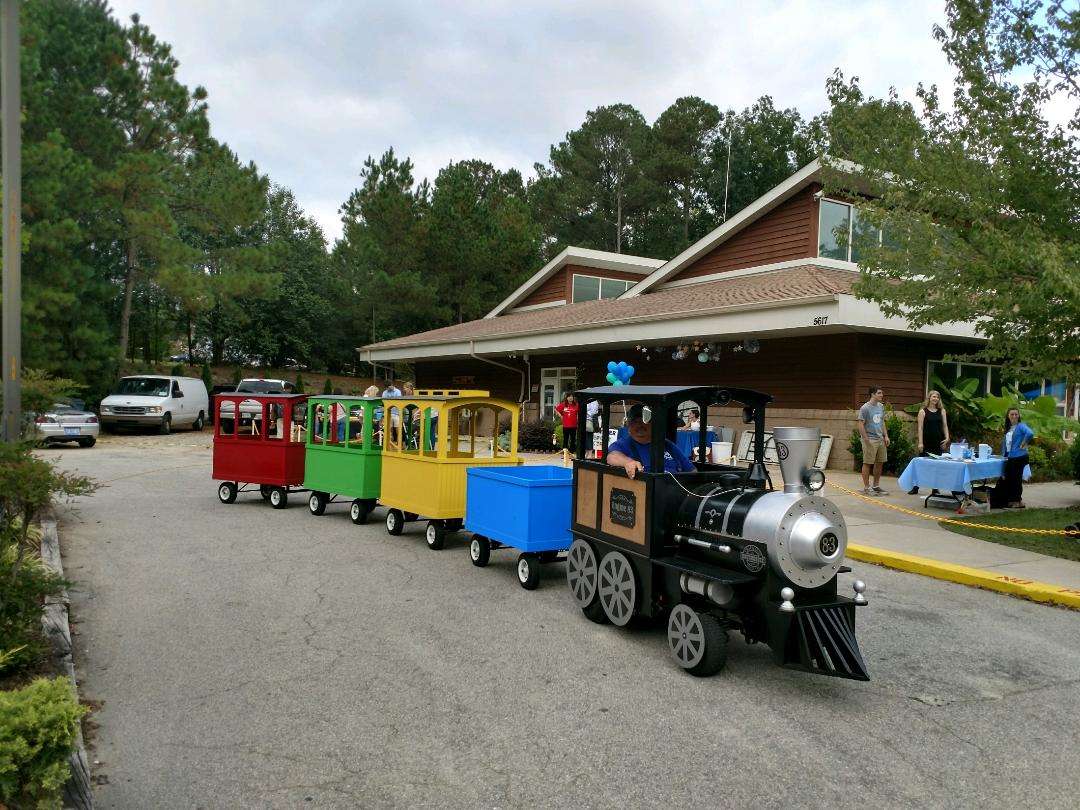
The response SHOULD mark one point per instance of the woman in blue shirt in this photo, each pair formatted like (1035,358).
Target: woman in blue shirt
(633,452)
(1009,492)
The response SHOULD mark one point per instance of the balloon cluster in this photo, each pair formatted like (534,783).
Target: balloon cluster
(619,373)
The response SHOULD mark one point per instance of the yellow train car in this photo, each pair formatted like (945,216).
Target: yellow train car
(432,439)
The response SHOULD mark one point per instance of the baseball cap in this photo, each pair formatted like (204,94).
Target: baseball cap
(639,411)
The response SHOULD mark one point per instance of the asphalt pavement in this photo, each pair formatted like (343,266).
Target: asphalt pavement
(247,657)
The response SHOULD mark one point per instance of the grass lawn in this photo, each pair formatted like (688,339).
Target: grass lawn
(1067,548)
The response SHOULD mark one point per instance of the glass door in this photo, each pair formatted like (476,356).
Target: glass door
(554,382)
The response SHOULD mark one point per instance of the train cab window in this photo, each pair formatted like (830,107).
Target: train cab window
(226,421)
(355,432)
(429,424)
(299,422)
(393,428)
(318,423)
(376,428)
(339,423)
(275,422)
(249,419)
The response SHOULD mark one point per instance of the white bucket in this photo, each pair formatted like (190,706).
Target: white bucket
(721,452)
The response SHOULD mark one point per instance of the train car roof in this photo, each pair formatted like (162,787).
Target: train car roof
(712,393)
(349,397)
(254,395)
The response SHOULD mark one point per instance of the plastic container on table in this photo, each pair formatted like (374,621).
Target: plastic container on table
(526,508)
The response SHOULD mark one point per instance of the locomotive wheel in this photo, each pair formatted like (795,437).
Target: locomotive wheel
(226,492)
(359,511)
(264,490)
(581,573)
(317,503)
(698,641)
(479,550)
(618,588)
(528,571)
(395,522)
(279,498)
(435,534)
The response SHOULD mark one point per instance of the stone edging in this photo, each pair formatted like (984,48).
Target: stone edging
(77,791)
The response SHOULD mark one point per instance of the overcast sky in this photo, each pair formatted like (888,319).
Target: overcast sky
(308,94)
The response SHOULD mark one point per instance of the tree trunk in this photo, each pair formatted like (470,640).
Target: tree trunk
(129,287)
(618,221)
(190,341)
(686,216)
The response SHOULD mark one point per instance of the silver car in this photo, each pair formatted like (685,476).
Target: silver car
(65,423)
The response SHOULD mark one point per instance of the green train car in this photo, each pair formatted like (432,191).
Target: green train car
(343,453)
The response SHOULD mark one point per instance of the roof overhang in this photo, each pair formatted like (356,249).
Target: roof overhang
(600,259)
(825,314)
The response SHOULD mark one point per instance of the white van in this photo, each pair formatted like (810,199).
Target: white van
(148,399)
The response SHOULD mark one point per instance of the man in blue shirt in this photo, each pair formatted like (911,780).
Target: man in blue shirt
(633,452)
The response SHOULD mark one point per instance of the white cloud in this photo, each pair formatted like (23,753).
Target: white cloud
(309,90)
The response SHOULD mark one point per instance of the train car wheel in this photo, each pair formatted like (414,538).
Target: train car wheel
(581,573)
(435,534)
(226,492)
(279,498)
(479,550)
(698,641)
(359,511)
(618,588)
(395,522)
(264,490)
(528,571)
(317,503)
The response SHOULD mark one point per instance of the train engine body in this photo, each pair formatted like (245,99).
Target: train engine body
(716,548)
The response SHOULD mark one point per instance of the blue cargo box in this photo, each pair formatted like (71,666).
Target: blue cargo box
(525,507)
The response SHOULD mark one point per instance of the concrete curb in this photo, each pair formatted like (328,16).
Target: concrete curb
(77,792)
(977,577)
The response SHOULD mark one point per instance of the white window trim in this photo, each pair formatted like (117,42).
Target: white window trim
(958,363)
(1064,401)
(561,373)
(628,284)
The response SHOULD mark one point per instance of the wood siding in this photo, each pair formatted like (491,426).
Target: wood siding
(898,365)
(560,286)
(787,232)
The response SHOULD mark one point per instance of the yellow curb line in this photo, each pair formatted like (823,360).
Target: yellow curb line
(977,577)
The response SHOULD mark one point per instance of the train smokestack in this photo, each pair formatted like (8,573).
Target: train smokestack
(797,448)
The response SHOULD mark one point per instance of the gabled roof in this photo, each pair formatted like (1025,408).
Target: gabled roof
(585,257)
(758,208)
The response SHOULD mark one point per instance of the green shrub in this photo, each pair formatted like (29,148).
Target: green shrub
(536,436)
(1050,459)
(298,386)
(21,598)
(207,377)
(178,371)
(236,378)
(901,445)
(328,386)
(37,735)
(1074,459)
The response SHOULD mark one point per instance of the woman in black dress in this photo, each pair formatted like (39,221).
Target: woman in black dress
(933,428)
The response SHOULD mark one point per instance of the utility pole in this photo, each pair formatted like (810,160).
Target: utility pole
(10,100)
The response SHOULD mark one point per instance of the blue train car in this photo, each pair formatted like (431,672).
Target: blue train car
(526,508)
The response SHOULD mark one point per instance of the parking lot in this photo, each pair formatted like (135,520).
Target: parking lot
(247,657)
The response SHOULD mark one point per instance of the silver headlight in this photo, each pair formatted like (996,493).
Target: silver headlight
(814,480)
(153,409)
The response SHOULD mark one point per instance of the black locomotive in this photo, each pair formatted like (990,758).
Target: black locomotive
(716,548)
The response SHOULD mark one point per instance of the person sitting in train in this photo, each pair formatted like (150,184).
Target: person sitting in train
(633,452)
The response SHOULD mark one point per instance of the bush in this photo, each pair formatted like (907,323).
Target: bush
(207,377)
(536,436)
(27,487)
(1074,456)
(21,599)
(298,386)
(901,445)
(178,371)
(1050,459)
(236,378)
(328,386)
(37,735)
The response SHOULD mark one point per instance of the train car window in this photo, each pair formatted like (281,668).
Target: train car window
(299,422)
(354,434)
(429,424)
(226,419)
(393,419)
(249,419)
(275,423)
(318,430)
(376,428)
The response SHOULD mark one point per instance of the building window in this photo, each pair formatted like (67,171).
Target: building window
(950,373)
(592,288)
(841,229)
(554,382)
(1058,389)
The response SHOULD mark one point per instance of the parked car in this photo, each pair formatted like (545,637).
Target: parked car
(67,423)
(159,401)
(252,409)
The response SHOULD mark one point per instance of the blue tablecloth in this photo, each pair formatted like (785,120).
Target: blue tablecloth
(952,476)
(685,440)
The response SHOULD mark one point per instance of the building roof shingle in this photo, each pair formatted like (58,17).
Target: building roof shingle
(771,287)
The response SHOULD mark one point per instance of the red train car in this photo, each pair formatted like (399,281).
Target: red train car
(259,441)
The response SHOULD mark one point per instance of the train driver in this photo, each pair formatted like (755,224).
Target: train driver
(634,451)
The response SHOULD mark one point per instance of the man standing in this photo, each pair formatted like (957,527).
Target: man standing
(391,391)
(875,440)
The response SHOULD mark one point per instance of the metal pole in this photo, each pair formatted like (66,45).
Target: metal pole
(10,99)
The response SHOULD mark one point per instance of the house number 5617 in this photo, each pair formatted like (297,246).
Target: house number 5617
(821,320)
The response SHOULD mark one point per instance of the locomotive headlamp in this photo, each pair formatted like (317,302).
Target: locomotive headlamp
(815,480)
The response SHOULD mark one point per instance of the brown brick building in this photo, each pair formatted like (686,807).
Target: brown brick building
(772,278)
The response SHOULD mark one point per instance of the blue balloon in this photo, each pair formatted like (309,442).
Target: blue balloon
(622,366)
(612,365)
(629,372)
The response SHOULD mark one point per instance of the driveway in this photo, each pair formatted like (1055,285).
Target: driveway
(246,657)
